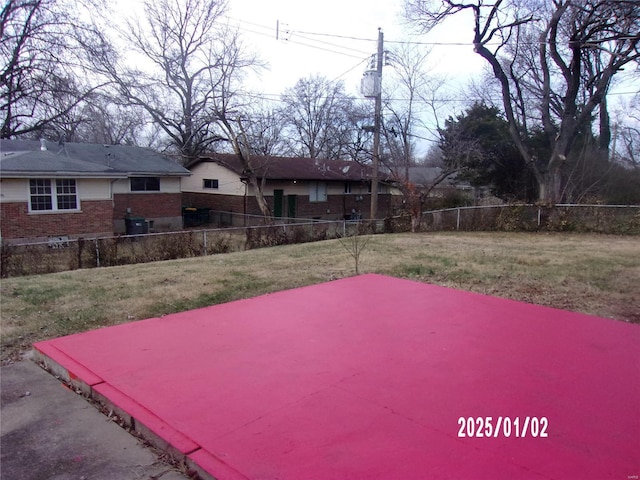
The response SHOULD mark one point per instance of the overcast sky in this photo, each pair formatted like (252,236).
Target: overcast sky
(336,37)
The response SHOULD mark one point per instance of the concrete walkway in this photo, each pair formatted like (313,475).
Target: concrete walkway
(49,432)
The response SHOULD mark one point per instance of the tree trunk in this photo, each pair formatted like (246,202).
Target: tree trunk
(262,202)
(415,208)
(549,187)
(604,139)
(241,149)
(416,218)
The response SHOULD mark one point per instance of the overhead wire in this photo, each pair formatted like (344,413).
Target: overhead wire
(436,43)
(407,42)
(352,68)
(278,97)
(273,31)
(331,44)
(346,37)
(304,34)
(321,48)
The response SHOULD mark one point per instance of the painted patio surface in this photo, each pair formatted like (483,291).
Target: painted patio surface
(368,378)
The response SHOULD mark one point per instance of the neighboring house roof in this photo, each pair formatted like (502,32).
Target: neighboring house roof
(425,176)
(25,158)
(293,168)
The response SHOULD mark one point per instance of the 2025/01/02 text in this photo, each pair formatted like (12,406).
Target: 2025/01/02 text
(507,427)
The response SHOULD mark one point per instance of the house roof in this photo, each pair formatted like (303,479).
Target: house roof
(421,175)
(293,168)
(20,158)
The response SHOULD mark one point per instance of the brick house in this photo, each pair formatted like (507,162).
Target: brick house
(84,190)
(293,187)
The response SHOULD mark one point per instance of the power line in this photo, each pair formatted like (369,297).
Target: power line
(406,42)
(331,44)
(273,31)
(346,37)
(323,49)
(278,97)
(239,20)
(303,44)
(351,69)
(434,43)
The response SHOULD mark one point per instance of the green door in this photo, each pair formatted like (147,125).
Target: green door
(278,200)
(293,201)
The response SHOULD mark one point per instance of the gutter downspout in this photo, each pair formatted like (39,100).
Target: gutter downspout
(113,205)
(244,203)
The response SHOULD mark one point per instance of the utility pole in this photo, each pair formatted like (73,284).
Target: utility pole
(376,128)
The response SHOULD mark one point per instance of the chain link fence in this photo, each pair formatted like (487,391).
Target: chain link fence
(606,219)
(61,254)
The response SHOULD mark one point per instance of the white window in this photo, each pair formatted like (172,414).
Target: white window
(210,183)
(318,192)
(347,187)
(53,195)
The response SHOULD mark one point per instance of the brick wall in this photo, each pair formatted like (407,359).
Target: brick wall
(95,218)
(147,205)
(214,201)
(338,206)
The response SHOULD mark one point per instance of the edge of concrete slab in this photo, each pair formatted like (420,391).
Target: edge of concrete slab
(50,430)
(173,446)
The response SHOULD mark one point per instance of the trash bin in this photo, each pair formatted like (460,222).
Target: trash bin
(136,225)
(192,216)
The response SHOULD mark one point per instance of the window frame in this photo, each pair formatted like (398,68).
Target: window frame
(146,181)
(318,192)
(214,182)
(54,193)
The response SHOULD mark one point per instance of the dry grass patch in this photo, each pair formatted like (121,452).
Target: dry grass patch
(587,273)
(593,274)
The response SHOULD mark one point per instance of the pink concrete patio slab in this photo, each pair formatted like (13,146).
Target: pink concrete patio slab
(373,377)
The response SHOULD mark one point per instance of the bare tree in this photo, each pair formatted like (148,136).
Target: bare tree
(409,96)
(355,241)
(236,135)
(629,138)
(265,131)
(407,99)
(42,74)
(231,112)
(560,56)
(358,145)
(192,59)
(108,121)
(319,117)
(626,134)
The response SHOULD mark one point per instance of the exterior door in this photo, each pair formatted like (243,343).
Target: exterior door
(293,203)
(278,200)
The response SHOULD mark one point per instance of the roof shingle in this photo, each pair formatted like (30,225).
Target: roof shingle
(25,157)
(293,168)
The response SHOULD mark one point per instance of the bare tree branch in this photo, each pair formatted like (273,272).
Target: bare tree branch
(566,76)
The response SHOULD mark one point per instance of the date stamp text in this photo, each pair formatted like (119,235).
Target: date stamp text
(506,427)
